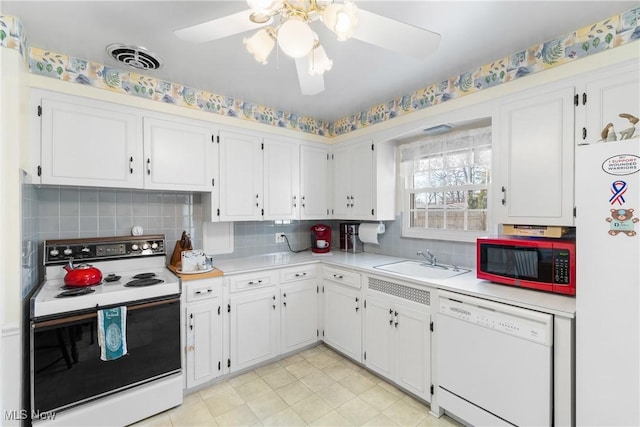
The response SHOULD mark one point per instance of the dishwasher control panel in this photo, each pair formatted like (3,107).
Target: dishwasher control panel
(516,321)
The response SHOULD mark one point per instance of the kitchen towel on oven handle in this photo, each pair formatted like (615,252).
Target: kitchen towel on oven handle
(112,333)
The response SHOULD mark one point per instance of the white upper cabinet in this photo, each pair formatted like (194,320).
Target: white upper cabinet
(84,142)
(314,182)
(241,190)
(533,158)
(604,96)
(87,143)
(535,136)
(281,179)
(178,155)
(364,181)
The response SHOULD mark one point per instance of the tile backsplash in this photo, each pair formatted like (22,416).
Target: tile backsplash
(78,212)
(51,212)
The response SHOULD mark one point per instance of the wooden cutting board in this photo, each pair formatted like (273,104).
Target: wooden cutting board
(213,273)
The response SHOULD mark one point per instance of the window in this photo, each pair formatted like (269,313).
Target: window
(446,182)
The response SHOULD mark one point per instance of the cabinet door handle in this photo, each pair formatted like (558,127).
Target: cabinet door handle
(357,304)
(131,165)
(191,322)
(396,315)
(294,201)
(284,300)
(504,195)
(390,316)
(148,166)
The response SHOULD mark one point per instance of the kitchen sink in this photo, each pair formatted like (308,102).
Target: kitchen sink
(422,270)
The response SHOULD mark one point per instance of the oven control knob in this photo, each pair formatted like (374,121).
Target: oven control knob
(154,246)
(134,247)
(86,250)
(54,252)
(145,246)
(67,251)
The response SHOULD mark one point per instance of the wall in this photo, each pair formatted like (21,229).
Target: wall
(13,96)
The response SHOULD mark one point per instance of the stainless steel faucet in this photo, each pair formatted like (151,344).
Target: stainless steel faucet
(429,256)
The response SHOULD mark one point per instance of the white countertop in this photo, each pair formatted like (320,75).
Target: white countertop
(468,283)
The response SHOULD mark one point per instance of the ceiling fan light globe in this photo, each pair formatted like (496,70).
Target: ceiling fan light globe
(342,19)
(296,38)
(319,62)
(260,45)
(265,7)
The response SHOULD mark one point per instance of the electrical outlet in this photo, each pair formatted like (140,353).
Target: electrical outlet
(279,237)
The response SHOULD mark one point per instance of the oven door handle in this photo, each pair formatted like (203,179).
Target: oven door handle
(94,314)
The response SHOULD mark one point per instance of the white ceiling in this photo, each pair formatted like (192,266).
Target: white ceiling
(474,33)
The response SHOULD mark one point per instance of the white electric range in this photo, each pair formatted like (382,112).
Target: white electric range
(64,328)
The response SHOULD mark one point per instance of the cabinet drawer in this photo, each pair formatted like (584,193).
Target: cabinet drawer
(259,279)
(346,277)
(197,290)
(302,272)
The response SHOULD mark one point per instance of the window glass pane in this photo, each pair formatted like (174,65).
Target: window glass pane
(455,220)
(418,218)
(420,180)
(436,162)
(418,200)
(477,220)
(455,199)
(477,199)
(479,175)
(435,219)
(435,200)
(458,159)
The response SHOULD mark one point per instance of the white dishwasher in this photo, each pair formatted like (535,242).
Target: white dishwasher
(494,362)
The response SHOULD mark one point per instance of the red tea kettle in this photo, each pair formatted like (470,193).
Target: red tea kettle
(81,275)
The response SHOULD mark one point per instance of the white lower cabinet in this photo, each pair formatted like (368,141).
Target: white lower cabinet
(254,321)
(298,308)
(204,343)
(397,335)
(343,312)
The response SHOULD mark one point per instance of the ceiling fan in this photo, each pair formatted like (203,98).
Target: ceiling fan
(289,24)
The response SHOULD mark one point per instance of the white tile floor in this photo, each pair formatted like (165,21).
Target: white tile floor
(316,387)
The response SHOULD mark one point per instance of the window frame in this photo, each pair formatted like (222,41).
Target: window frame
(441,234)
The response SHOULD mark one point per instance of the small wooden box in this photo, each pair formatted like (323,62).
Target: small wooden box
(534,230)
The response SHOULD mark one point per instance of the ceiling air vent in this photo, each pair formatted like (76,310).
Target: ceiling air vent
(135,56)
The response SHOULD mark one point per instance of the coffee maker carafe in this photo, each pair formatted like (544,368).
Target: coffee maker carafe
(320,238)
(349,241)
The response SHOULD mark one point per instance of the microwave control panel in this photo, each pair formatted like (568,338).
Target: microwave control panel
(561,266)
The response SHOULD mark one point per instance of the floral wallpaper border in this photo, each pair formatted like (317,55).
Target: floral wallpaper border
(607,34)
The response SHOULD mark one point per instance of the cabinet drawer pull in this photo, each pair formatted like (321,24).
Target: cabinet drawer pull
(300,274)
(254,282)
(200,292)
(338,276)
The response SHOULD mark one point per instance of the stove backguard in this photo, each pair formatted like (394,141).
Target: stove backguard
(57,252)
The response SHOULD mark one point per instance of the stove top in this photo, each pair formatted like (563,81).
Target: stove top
(127,277)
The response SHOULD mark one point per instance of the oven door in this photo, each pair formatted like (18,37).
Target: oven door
(66,368)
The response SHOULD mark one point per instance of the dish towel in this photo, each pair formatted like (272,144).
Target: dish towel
(112,333)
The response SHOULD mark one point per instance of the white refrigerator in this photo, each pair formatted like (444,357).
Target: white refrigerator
(607,192)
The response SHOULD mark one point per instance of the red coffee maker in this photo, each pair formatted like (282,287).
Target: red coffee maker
(320,238)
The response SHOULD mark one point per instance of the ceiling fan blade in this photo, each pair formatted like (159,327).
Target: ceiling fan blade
(395,35)
(309,85)
(219,28)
